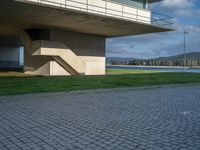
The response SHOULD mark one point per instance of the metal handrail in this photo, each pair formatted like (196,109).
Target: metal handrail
(160,20)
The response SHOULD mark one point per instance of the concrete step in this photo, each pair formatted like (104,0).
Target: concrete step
(61,54)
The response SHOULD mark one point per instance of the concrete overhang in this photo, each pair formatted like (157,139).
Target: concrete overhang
(17,15)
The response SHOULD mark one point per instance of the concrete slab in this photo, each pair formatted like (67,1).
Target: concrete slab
(18,15)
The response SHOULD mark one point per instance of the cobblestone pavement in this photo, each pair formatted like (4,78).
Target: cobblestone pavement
(144,119)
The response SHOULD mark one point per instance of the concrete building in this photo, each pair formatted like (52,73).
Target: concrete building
(67,37)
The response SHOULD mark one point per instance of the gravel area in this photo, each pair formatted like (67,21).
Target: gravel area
(165,118)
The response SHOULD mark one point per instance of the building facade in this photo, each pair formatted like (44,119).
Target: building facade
(68,37)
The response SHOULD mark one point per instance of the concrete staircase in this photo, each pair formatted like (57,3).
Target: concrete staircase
(51,58)
(61,54)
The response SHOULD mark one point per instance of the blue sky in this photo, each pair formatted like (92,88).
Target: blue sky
(186,14)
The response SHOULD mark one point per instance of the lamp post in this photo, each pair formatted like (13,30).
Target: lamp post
(185,32)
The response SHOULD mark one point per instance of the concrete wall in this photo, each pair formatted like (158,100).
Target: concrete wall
(82,44)
(36,64)
(90,48)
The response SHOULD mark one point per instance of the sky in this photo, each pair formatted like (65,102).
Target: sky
(186,15)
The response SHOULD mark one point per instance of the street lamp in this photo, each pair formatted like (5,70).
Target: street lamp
(185,32)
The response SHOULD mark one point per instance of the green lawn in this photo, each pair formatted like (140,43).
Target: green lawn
(19,85)
(126,71)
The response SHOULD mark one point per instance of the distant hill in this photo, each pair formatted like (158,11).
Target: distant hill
(193,59)
(118,59)
(189,56)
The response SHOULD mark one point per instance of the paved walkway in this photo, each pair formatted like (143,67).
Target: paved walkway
(148,119)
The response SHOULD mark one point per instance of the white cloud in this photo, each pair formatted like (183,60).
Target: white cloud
(178,3)
(155,45)
(179,7)
(163,44)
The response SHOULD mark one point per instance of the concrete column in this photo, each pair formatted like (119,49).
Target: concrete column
(89,48)
(38,65)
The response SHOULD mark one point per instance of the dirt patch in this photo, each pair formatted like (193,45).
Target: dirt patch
(14,74)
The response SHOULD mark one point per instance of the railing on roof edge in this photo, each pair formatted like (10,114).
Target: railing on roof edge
(155,18)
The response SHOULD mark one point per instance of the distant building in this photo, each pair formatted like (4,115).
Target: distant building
(164,62)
